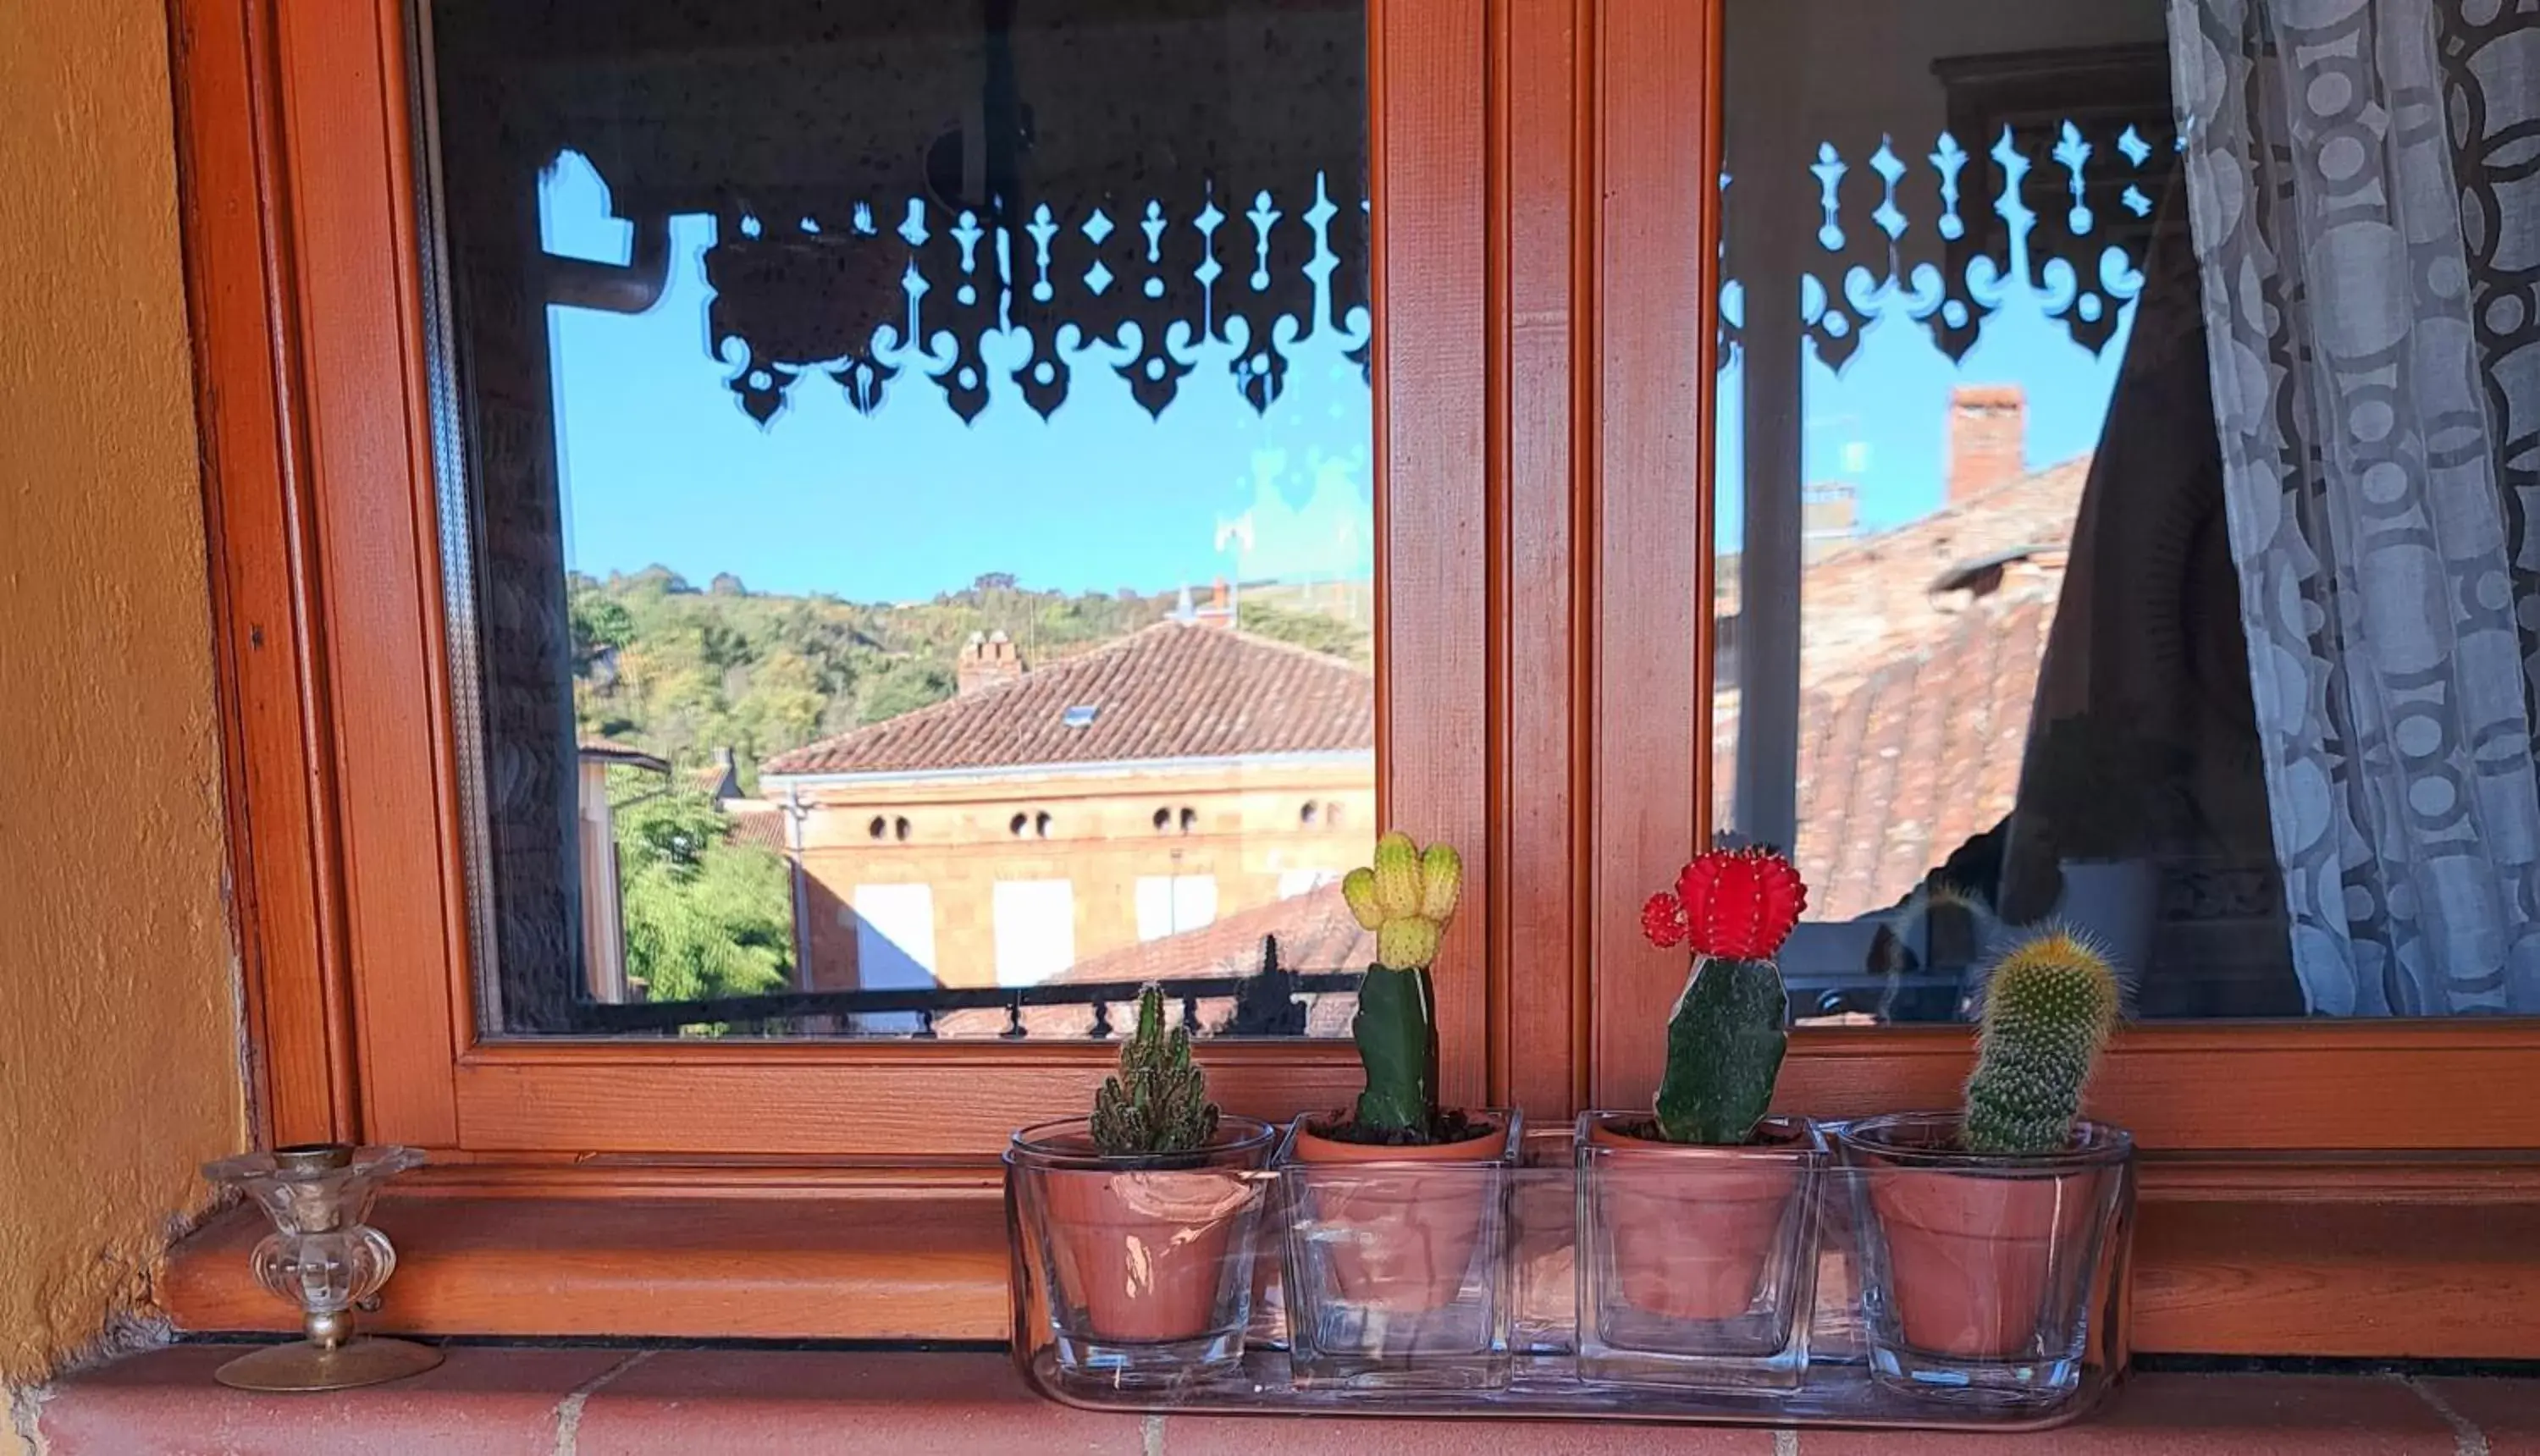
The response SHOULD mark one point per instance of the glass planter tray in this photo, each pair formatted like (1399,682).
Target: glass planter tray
(1521,1356)
(1546,1387)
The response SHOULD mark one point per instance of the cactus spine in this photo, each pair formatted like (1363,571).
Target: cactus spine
(1159,1102)
(1725,1038)
(2049,1006)
(1407,897)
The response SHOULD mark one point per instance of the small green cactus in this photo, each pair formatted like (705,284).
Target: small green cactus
(1159,1102)
(2049,1006)
(1407,897)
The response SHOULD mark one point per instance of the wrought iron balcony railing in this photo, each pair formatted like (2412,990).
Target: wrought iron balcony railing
(1265,1003)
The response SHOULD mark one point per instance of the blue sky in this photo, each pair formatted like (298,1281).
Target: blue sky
(662,466)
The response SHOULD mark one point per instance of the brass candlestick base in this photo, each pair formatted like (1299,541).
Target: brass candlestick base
(302,1365)
(324,1260)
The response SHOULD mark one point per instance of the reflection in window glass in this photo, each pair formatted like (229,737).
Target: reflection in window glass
(912,510)
(2125,451)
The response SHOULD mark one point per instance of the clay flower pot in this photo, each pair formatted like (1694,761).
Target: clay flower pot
(1983,1271)
(1693,1230)
(1400,1241)
(1142,1251)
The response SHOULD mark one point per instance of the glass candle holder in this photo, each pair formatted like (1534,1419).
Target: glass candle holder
(1143,1265)
(325,1260)
(1697,1265)
(1988,1279)
(1397,1267)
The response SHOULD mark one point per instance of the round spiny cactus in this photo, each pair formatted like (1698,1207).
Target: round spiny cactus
(1159,1102)
(2050,1005)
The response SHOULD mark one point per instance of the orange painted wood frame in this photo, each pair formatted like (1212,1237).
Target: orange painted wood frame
(306,256)
(1545,445)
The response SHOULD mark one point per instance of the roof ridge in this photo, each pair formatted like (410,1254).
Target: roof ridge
(1293,649)
(919,716)
(914,715)
(1950,510)
(1058,675)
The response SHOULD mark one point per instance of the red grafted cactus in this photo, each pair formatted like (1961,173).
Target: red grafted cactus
(1733,904)
(1724,1040)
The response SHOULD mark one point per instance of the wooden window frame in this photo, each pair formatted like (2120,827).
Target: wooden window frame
(318,406)
(1542,499)
(2258,1088)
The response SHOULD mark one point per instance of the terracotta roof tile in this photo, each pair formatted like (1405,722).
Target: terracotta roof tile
(1899,772)
(759,827)
(1317,934)
(1914,705)
(1315,930)
(1172,690)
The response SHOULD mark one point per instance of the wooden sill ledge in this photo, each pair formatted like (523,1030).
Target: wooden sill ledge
(2407,1262)
(632,1403)
(914,1265)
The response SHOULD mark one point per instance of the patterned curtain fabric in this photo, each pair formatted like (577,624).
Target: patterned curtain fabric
(2365,183)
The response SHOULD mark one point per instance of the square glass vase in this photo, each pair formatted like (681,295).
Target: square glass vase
(1397,1269)
(1140,1267)
(1697,1266)
(1989,1280)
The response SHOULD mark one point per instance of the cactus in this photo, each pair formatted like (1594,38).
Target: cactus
(1398,874)
(2050,1003)
(1726,1037)
(1159,1102)
(1407,897)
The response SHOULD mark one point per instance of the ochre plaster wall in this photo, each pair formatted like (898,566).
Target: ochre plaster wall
(119,1066)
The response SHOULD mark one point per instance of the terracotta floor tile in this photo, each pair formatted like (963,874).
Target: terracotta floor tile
(735,1403)
(165,1404)
(2504,1412)
(1201,1435)
(2203,1416)
(741,1402)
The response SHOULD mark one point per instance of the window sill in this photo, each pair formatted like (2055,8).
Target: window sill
(631,1402)
(2370,1259)
(766,1258)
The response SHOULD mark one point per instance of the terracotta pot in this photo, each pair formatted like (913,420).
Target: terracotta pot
(1692,1229)
(1985,1255)
(1144,1247)
(1404,1240)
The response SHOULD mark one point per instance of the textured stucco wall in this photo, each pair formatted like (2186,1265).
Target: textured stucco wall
(118,1034)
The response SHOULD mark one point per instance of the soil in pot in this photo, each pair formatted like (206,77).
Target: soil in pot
(1144,1246)
(1693,1229)
(1972,1257)
(1400,1241)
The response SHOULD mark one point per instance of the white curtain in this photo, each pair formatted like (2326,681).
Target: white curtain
(2365,184)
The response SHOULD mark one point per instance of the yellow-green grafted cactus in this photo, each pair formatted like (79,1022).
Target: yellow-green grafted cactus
(1406,897)
(2050,1005)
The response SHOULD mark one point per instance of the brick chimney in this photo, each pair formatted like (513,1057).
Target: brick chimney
(1988,438)
(987,660)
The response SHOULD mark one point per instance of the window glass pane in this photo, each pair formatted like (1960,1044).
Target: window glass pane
(907,500)
(2127,415)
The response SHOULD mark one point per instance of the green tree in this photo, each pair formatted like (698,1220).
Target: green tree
(903,685)
(1305,629)
(703,917)
(599,621)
